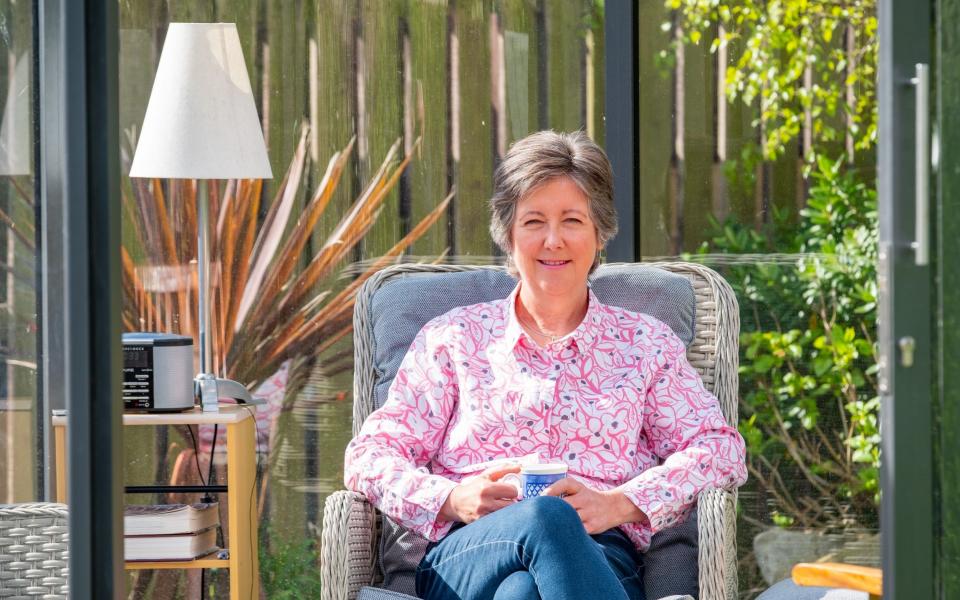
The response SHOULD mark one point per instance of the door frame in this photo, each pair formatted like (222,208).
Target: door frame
(906,309)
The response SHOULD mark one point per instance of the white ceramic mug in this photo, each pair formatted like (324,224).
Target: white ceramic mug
(534,479)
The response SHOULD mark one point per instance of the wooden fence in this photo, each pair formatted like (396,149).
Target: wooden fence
(472,76)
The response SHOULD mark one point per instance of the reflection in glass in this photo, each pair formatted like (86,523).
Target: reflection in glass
(465,80)
(759,154)
(387,119)
(20,441)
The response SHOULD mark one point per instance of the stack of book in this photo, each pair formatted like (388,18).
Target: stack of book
(170,532)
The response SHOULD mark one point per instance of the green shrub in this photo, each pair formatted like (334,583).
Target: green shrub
(807,379)
(289,569)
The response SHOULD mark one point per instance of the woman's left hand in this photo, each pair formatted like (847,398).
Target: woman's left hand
(599,511)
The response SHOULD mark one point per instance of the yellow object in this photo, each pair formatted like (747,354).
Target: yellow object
(853,577)
(241,478)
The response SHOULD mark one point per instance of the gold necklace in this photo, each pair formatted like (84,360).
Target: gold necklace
(537,330)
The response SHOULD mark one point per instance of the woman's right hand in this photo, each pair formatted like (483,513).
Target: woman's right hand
(480,495)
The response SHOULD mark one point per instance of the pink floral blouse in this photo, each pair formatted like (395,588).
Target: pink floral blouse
(615,399)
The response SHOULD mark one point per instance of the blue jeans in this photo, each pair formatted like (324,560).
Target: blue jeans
(533,549)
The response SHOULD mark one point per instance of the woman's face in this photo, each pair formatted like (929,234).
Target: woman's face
(554,238)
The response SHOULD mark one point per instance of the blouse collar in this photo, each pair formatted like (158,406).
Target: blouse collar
(582,337)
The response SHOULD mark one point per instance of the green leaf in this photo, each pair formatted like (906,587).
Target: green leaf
(822,364)
(763,363)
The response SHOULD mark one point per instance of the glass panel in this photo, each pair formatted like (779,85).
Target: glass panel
(794,237)
(757,138)
(367,84)
(21,440)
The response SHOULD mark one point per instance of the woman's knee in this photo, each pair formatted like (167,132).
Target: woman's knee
(519,585)
(549,513)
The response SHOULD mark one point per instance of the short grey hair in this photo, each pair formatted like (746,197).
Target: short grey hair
(540,157)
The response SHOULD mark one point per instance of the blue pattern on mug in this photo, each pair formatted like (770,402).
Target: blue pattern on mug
(534,485)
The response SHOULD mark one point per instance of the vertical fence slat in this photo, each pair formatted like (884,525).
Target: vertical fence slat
(333,117)
(678,172)
(850,96)
(699,81)
(654,120)
(383,108)
(785,180)
(565,51)
(520,40)
(429,180)
(284,79)
(475,165)
(740,137)
(595,73)
(287,74)
(720,201)
(498,84)
(805,138)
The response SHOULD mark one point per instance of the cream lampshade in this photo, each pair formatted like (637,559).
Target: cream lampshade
(201,123)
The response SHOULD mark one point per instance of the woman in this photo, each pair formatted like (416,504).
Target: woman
(549,371)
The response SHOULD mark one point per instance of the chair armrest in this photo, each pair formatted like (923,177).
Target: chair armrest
(717,528)
(347,545)
(853,577)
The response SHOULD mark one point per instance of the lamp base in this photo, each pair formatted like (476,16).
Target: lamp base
(209,389)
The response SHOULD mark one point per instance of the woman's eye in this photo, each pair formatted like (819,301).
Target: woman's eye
(573,220)
(533,222)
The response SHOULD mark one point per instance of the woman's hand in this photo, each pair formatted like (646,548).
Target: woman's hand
(599,511)
(480,495)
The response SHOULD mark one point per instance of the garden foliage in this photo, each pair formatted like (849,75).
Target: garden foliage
(809,405)
(807,378)
(791,58)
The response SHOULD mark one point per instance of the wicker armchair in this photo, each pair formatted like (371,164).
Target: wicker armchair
(349,539)
(34,551)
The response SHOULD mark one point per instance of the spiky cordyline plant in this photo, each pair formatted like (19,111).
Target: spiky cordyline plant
(264,310)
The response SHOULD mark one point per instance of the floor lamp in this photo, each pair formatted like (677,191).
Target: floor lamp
(201,123)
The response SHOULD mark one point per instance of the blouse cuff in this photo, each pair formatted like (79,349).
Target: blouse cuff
(656,502)
(434,528)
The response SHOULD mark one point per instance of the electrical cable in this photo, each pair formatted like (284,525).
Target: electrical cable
(196,455)
(213,446)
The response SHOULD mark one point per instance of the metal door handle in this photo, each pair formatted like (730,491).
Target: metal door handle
(921,244)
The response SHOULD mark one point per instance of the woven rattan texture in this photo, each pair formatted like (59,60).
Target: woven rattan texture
(348,555)
(34,551)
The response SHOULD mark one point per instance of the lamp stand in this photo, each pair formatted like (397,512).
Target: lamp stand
(208,387)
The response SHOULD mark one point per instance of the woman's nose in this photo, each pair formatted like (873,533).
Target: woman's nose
(553,239)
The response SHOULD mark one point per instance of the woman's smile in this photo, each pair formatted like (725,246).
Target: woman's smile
(553,264)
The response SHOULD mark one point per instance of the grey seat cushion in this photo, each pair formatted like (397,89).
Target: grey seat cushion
(404,304)
(370,593)
(788,590)
(677,545)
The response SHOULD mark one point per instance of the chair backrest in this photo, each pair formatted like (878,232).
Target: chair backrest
(34,546)
(397,302)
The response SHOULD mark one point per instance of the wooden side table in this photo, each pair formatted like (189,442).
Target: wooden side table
(241,479)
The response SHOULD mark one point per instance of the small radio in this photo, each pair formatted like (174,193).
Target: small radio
(157,372)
